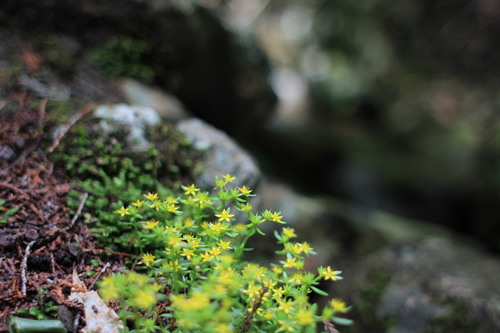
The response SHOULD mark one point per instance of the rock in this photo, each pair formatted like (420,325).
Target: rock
(220,155)
(134,119)
(168,106)
(434,285)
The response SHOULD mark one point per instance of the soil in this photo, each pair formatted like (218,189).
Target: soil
(44,242)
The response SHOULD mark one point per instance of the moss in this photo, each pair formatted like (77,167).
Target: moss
(456,320)
(365,308)
(113,176)
(124,56)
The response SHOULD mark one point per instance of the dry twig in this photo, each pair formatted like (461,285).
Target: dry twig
(67,127)
(24,265)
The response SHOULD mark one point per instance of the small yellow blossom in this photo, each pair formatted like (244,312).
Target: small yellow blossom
(245,190)
(138,203)
(289,232)
(190,190)
(223,328)
(246,208)
(151,224)
(224,244)
(297,278)
(225,215)
(108,289)
(188,253)
(285,306)
(290,262)
(228,177)
(338,305)
(148,258)
(205,257)
(277,269)
(304,317)
(151,196)
(329,274)
(215,251)
(199,300)
(306,248)
(188,223)
(145,298)
(268,315)
(123,211)
(276,217)
(172,208)
(285,327)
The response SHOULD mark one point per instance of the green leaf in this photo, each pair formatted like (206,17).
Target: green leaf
(342,321)
(319,291)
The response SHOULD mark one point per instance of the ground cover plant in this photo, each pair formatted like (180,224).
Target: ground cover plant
(193,275)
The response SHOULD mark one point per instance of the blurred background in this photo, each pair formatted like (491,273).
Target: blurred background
(375,124)
(391,105)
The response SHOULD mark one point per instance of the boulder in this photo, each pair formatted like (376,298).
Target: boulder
(220,155)
(433,285)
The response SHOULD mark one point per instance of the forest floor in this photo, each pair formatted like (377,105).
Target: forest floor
(43,244)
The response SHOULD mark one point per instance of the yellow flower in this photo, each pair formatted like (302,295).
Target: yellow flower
(123,211)
(289,232)
(228,178)
(297,278)
(138,203)
(223,328)
(215,251)
(217,228)
(246,208)
(151,224)
(304,317)
(151,196)
(329,274)
(276,217)
(285,327)
(278,292)
(188,253)
(198,301)
(205,257)
(193,241)
(148,258)
(224,244)
(172,208)
(144,298)
(245,190)
(268,315)
(290,262)
(190,190)
(277,269)
(188,223)
(306,248)
(224,215)
(338,305)
(253,291)
(108,289)
(285,307)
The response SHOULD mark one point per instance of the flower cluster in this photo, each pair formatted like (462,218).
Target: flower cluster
(192,246)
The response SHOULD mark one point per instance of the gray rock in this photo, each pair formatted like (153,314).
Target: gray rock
(220,155)
(433,285)
(134,119)
(168,106)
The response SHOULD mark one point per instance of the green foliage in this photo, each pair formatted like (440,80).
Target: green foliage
(192,261)
(124,56)
(114,177)
(43,310)
(5,213)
